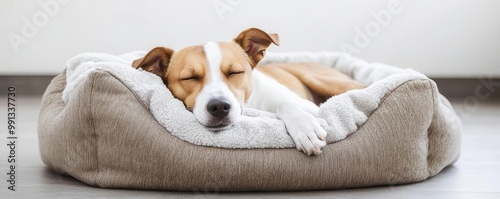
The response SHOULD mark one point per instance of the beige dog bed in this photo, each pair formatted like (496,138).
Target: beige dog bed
(105,130)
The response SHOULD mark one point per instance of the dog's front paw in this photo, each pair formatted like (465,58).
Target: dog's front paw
(305,131)
(308,135)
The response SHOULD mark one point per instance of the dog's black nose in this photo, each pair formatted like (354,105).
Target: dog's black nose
(219,108)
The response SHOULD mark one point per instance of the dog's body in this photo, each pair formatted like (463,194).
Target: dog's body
(217,80)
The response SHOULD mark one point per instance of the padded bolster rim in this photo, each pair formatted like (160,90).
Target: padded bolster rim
(65,144)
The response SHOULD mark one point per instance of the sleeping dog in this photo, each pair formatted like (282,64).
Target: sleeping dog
(217,80)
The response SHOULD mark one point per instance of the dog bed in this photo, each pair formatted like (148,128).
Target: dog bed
(112,126)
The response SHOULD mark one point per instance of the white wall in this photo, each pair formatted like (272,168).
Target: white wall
(445,38)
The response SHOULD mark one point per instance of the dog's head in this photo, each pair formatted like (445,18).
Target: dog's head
(213,80)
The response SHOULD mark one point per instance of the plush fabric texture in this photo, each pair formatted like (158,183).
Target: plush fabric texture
(105,135)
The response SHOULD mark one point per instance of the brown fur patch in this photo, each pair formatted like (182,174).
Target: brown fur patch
(187,73)
(315,82)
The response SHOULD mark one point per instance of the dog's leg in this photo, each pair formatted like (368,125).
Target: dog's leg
(302,126)
(296,112)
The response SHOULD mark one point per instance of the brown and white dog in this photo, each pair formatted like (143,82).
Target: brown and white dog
(218,79)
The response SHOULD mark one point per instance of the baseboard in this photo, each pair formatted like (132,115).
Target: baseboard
(449,87)
(482,88)
(25,85)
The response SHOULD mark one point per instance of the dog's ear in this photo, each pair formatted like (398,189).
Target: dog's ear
(255,42)
(156,61)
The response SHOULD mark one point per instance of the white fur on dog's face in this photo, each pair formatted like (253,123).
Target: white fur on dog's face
(215,88)
(199,74)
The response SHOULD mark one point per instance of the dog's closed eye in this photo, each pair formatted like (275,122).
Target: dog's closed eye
(189,78)
(235,73)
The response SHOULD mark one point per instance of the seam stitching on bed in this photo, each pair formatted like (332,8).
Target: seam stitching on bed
(434,90)
(94,74)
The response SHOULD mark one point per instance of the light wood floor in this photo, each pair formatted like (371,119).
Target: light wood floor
(475,175)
